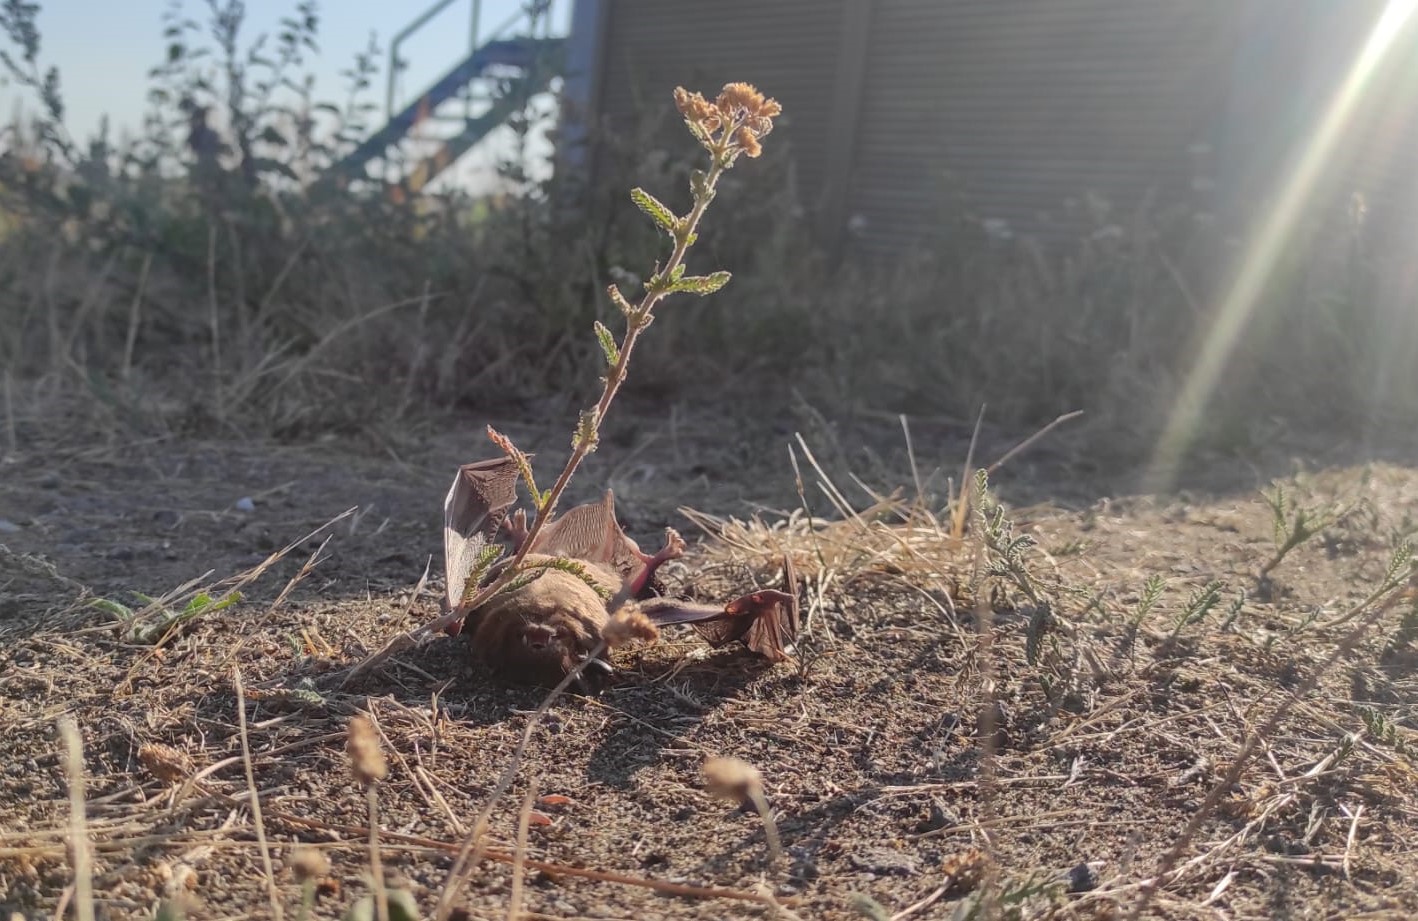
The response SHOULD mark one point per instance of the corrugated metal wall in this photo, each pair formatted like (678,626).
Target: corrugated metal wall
(1014,107)
(1018,105)
(786,47)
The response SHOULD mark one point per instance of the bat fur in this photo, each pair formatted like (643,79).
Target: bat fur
(551,620)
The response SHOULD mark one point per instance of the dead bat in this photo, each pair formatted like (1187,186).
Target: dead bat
(549,620)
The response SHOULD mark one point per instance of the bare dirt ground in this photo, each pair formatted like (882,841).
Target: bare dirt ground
(1111,723)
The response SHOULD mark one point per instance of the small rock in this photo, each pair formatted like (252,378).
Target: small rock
(1082,878)
(885,861)
(245,504)
(8,527)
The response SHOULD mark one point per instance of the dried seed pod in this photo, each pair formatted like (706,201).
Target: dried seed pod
(366,759)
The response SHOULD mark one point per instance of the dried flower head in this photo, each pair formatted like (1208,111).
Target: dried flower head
(164,762)
(309,864)
(743,113)
(748,141)
(697,110)
(732,779)
(739,782)
(629,623)
(742,101)
(366,759)
(964,869)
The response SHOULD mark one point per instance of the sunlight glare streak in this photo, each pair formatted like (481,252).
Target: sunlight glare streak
(1254,268)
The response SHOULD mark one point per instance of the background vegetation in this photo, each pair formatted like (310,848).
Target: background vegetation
(206,276)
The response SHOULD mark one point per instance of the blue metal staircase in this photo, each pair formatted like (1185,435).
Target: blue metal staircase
(495,81)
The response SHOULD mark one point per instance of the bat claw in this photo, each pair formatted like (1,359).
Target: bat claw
(593,678)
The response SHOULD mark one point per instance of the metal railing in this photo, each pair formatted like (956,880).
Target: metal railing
(536,13)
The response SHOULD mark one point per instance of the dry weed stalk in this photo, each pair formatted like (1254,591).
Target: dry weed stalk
(80,848)
(369,768)
(256,819)
(519,852)
(737,781)
(309,866)
(1368,611)
(472,849)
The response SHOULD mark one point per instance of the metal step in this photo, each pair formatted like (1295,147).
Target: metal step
(528,55)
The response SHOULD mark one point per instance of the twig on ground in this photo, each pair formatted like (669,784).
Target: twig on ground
(256,819)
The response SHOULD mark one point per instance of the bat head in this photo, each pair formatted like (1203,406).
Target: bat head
(538,633)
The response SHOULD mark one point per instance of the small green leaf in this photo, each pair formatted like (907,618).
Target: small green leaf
(700,284)
(699,183)
(619,300)
(486,559)
(655,209)
(608,346)
(114,608)
(587,431)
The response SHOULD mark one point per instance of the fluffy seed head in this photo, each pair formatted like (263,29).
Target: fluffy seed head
(629,623)
(732,779)
(308,863)
(362,745)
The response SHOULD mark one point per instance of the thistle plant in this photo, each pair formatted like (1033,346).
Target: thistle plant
(732,125)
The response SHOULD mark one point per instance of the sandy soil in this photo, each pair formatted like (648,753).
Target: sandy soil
(1106,735)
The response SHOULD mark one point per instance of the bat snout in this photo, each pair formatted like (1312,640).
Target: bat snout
(538,637)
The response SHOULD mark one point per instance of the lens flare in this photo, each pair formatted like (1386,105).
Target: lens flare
(1276,229)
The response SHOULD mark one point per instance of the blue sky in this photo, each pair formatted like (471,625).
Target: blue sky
(104,50)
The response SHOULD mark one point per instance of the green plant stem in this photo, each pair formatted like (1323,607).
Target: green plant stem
(635,324)
(722,154)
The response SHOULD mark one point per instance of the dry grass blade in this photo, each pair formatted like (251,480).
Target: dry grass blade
(960,505)
(519,854)
(1028,442)
(80,847)
(1381,603)
(471,851)
(255,795)
(305,571)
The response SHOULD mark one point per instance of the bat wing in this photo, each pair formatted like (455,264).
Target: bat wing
(764,621)
(477,504)
(591,532)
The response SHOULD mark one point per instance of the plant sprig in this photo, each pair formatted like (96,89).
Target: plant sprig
(730,126)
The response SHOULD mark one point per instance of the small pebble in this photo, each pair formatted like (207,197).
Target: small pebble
(245,504)
(8,527)
(1082,878)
